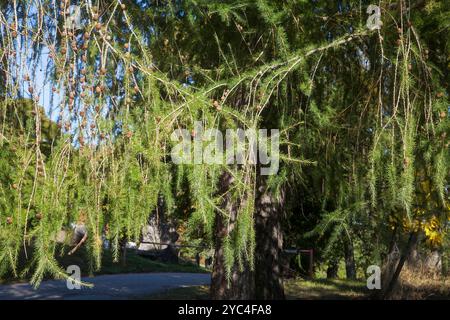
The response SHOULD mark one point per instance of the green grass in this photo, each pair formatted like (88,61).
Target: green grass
(134,264)
(318,289)
(183,293)
(325,289)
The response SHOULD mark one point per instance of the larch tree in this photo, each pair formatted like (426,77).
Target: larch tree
(362,115)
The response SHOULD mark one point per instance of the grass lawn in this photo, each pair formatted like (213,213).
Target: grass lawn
(323,289)
(336,289)
(294,289)
(134,264)
(183,293)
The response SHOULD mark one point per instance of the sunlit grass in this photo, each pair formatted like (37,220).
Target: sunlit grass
(183,293)
(294,289)
(325,289)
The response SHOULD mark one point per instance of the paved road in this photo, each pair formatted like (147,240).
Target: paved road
(106,287)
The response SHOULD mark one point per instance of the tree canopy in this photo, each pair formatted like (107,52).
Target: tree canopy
(363,116)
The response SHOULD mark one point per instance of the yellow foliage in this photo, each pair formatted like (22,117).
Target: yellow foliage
(425,214)
(433,232)
(411,225)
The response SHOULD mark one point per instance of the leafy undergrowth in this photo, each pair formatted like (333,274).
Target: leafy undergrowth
(134,264)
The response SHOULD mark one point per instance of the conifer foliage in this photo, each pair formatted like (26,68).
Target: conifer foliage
(91,92)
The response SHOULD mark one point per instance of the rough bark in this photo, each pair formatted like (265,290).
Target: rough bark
(391,282)
(269,246)
(241,283)
(425,261)
(266,281)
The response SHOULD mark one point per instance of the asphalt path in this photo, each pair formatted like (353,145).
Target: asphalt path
(106,287)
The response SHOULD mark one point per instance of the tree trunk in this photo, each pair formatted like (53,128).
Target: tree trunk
(349,256)
(266,281)
(123,246)
(386,292)
(269,246)
(240,286)
(390,261)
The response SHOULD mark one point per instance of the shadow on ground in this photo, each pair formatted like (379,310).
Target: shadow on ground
(320,289)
